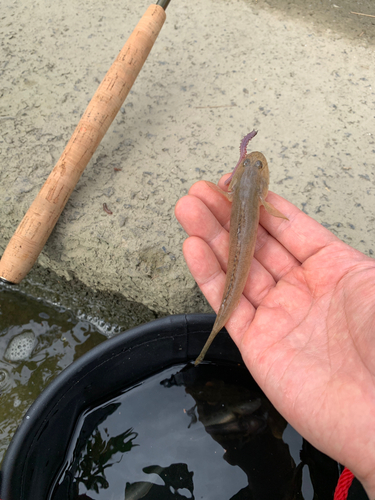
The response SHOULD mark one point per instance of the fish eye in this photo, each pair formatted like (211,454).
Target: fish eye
(246,163)
(258,164)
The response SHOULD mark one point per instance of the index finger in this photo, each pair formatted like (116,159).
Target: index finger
(302,236)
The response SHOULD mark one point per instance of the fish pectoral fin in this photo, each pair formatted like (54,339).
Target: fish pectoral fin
(272,210)
(228,195)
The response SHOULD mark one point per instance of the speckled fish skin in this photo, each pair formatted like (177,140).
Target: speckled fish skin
(248,190)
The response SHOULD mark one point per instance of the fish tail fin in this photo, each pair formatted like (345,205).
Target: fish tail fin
(215,330)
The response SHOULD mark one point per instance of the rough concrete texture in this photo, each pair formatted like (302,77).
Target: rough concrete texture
(301,73)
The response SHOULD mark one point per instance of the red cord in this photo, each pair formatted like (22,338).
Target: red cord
(343,485)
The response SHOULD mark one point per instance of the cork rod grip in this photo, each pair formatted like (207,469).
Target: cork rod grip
(36,226)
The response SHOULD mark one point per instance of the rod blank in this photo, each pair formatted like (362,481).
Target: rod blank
(163,3)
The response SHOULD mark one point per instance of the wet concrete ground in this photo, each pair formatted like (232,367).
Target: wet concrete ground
(60,338)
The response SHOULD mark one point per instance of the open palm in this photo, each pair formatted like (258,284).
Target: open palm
(305,324)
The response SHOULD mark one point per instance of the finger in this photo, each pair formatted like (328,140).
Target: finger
(198,220)
(275,258)
(210,278)
(302,236)
(217,203)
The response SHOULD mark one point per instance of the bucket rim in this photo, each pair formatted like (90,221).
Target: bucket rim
(183,335)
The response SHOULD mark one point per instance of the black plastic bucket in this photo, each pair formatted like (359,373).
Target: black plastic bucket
(38,448)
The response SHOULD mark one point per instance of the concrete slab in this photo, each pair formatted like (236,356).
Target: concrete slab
(301,73)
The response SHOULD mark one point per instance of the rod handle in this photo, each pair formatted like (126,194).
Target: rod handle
(31,235)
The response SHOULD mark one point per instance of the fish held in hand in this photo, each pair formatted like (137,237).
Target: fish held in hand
(248,189)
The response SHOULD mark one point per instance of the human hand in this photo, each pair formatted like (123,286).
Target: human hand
(305,325)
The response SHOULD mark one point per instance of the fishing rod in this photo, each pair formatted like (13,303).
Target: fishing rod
(36,226)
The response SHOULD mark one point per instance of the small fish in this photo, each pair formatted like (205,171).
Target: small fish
(248,189)
(230,412)
(227,410)
(138,490)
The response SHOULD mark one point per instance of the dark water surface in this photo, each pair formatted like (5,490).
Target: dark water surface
(184,433)
(56,338)
(204,432)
